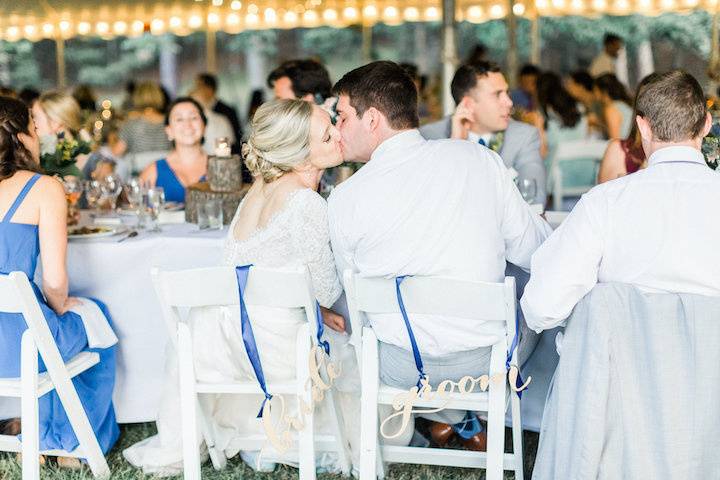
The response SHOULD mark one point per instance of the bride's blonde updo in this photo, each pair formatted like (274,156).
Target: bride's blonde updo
(279,138)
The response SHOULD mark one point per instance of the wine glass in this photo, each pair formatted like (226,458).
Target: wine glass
(155,203)
(112,187)
(134,191)
(528,189)
(73,190)
(93,194)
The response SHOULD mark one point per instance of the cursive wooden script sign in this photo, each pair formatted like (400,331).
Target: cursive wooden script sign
(403,402)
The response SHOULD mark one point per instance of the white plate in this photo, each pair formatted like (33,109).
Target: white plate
(106,232)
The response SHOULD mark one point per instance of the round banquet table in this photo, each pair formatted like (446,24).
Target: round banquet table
(118,274)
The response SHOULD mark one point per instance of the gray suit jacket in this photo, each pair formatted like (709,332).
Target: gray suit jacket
(520,150)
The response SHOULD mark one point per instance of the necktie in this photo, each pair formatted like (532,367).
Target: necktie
(482,142)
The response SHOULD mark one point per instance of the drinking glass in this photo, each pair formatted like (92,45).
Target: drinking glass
(112,187)
(134,192)
(528,189)
(155,204)
(93,194)
(73,191)
(210,214)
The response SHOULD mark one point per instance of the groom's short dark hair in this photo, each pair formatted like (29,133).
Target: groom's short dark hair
(385,86)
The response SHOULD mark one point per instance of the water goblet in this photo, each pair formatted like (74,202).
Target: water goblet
(134,191)
(93,194)
(155,204)
(528,189)
(112,188)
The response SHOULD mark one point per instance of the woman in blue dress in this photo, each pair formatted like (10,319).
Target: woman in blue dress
(33,214)
(186,164)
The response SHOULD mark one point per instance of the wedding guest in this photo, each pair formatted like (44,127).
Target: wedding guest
(144,130)
(85,96)
(186,164)
(606,61)
(626,155)
(257,98)
(407,213)
(33,211)
(616,106)
(281,222)
(217,126)
(563,120)
(305,79)
(652,229)
(28,95)
(581,86)
(482,116)
(205,91)
(525,96)
(57,117)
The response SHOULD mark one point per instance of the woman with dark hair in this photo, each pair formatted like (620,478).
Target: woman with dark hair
(617,105)
(625,155)
(33,212)
(186,164)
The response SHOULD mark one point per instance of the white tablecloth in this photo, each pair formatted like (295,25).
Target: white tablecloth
(118,274)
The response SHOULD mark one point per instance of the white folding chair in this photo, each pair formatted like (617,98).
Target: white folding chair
(487,306)
(17,296)
(572,152)
(288,289)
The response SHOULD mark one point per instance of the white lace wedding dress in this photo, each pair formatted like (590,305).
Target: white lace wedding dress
(296,235)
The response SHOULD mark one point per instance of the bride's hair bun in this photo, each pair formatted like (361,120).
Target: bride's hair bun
(279,138)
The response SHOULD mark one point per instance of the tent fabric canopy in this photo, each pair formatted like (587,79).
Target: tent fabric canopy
(37,19)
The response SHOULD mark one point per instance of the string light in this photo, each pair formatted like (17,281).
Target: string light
(236,5)
(120,28)
(518,9)
(411,14)
(310,16)
(667,3)
(558,4)
(475,13)
(541,4)
(251,19)
(290,17)
(64,26)
(599,4)
(157,26)
(102,28)
(106,104)
(496,11)
(270,16)
(195,21)
(84,28)
(13,33)
(330,15)
(350,13)
(137,27)
(370,11)
(213,19)
(30,30)
(48,29)
(391,13)
(233,20)
(432,13)
(577,5)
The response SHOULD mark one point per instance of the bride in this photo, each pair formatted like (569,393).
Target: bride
(281,222)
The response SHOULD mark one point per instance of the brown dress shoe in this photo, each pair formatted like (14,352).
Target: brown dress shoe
(476,443)
(441,433)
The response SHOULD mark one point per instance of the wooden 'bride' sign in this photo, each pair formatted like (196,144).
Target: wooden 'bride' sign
(281,438)
(403,402)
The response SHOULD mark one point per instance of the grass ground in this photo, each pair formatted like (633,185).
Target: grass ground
(236,469)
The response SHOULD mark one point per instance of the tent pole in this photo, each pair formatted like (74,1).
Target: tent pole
(449,53)
(60,61)
(535,39)
(512,59)
(211,50)
(366,42)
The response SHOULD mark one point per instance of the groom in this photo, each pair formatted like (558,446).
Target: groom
(419,207)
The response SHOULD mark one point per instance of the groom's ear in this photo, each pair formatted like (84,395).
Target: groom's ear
(373,118)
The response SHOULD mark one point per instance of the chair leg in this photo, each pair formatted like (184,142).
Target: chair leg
(496,419)
(188,404)
(338,431)
(517,436)
(306,437)
(368,407)
(217,456)
(30,414)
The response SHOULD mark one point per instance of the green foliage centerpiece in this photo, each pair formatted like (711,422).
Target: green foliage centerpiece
(61,160)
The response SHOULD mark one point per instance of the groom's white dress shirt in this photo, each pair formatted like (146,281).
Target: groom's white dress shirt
(657,229)
(438,207)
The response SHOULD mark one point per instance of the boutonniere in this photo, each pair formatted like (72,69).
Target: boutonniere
(496,142)
(62,160)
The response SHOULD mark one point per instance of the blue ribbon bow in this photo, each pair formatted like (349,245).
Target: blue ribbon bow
(248,336)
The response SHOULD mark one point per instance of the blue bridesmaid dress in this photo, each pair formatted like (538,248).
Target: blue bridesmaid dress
(166,178)
(19,249)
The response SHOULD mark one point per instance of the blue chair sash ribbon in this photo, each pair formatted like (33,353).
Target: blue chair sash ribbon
(241,273)
(416,351)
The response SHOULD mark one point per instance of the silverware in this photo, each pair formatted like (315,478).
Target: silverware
(131,234)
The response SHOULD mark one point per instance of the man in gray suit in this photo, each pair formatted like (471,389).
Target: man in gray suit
(483,115)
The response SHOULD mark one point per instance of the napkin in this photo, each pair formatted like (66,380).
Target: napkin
(97,328)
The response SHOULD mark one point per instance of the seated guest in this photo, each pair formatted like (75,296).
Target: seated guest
(581,86)
(626,155)
(652,229)
(281,222)
(58,116)
(483,116)
(186,164)
(304,79)
(143,131)
(616,106)
(563,118)
(205,91)
(33,211)
(423,207)
(525,96)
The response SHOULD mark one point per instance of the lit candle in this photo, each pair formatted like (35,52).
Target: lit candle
(222,147)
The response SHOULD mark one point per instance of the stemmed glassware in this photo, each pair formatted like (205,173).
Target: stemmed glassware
(73,191)
(134,191)
(155,204)
(93,194)
(528,189)
(111,188)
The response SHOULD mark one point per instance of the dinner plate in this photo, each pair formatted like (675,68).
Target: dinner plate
(95,231)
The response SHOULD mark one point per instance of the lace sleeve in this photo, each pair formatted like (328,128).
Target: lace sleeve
(311,239)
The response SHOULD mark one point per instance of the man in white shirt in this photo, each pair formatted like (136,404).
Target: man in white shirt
(656,229)
(606,61)
(420,207)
